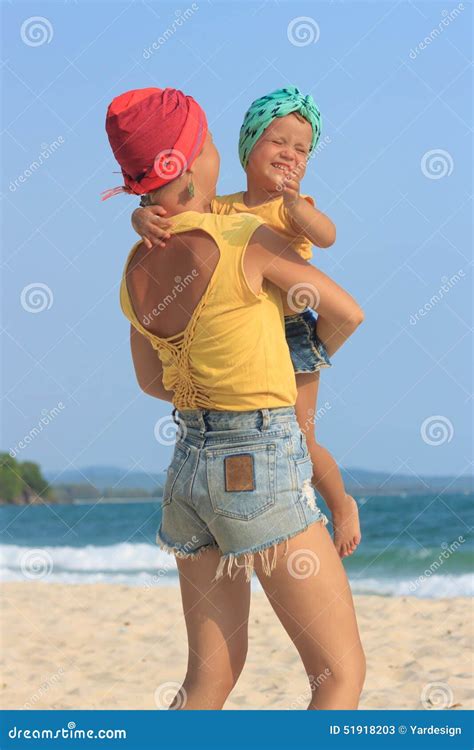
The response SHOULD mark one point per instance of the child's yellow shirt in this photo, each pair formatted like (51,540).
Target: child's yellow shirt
(273,213)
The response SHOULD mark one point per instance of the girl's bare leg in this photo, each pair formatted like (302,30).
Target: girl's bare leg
(216,615)
(326,474)
(317,612)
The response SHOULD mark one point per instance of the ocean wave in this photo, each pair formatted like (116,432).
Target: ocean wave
(147,565)
(113,558)
(434,587)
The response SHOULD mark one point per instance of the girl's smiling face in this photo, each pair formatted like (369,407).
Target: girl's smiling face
(282,149)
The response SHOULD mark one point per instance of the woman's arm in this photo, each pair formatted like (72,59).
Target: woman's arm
(148,366)
(269,257)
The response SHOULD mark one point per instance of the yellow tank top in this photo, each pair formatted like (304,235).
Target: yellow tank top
(233,354)
(272,212)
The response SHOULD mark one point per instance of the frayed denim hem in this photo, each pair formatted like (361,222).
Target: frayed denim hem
(231,559)
(181,551)
(316,368)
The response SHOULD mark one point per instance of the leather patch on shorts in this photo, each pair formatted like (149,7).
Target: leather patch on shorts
(239,476)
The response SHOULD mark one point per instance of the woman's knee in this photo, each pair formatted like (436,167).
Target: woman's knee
(221,675)
(350,671)
(347,672)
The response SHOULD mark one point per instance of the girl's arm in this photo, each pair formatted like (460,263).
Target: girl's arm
(151,226)
(148,366)
(307,219)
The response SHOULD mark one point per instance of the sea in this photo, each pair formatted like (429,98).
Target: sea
(412,545)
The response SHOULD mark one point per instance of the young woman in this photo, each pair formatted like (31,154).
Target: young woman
(238,495)
(279,134)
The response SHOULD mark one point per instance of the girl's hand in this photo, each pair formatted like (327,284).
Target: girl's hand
(290,188)
(151,226)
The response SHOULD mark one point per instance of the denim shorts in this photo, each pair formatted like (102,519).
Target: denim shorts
(239,482)
(307,351)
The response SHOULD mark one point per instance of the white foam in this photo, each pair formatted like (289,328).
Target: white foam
(124,556)
(147,565)
(435,587)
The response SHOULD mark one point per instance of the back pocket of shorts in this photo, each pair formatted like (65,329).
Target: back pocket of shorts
(241,480)
(180,456)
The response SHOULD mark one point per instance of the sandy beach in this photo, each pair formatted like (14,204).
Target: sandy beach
(96,646)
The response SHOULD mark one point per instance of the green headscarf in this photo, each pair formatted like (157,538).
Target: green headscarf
(277,104)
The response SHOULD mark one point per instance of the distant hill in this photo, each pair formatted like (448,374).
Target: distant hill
(358,481)
(107,477)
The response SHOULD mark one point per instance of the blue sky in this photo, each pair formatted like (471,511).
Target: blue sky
(394,175)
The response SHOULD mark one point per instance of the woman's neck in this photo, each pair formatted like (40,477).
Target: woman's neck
(201,205)
(174,207)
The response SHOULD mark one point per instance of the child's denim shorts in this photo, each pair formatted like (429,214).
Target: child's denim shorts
(307,351)
(239,482)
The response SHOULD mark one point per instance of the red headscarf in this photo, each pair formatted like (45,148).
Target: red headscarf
(155,134)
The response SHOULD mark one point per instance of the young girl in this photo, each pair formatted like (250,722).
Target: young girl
(279,133)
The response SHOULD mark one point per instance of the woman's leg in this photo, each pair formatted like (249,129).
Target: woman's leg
(310,593)
(327,477)
(216,617)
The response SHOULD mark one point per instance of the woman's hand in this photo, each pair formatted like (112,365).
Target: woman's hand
(151,226)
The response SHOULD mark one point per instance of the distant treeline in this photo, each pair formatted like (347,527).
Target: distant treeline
(22,483)
(66,493)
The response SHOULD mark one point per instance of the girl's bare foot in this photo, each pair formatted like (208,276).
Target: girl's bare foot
(346,527)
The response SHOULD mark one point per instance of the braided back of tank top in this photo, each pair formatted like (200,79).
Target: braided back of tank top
(197,361)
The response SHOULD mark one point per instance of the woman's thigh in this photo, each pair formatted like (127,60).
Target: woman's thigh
(216,615)
(310,593)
